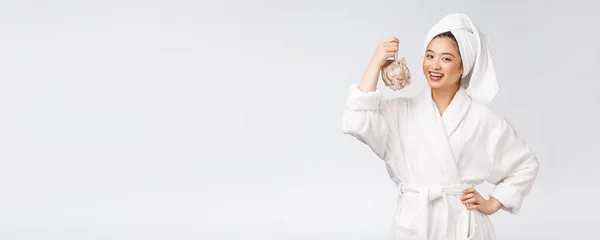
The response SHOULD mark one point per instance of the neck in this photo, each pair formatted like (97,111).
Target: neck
(443,97)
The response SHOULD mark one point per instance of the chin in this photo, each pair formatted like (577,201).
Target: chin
(435,84)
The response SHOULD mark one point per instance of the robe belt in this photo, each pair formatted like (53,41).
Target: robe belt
(421,213)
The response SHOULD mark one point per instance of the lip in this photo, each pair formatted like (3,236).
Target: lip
(430,77)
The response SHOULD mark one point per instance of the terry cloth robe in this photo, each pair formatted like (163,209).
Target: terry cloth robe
(433,158)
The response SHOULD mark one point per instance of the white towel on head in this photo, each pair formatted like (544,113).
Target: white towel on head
(479,77)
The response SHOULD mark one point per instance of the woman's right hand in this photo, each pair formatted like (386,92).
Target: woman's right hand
(387,48)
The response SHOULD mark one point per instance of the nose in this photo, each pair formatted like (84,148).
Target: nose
(436,65)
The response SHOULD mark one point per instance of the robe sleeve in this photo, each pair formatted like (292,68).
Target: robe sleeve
(515,166)
(370,119)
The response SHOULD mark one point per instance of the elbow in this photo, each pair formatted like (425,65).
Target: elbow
(355,130)
(534,165)
(529,165)
(352,124)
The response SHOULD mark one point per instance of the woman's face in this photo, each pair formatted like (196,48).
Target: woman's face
(442,64)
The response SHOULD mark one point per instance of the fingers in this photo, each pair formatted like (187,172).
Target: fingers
(386,50)
(473,207)
(474,201)
(390,54)
(467,196)
(471,200)
(390,44)
(469,193)
(390,47)
(471,196)
(390,40)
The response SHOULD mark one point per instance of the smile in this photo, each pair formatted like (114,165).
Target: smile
(434,74)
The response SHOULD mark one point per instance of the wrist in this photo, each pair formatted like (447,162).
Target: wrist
(374,65)
(497,205)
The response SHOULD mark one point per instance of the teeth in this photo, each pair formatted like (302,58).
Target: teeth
(437,74)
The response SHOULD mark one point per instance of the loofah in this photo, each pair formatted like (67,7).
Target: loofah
(396,74)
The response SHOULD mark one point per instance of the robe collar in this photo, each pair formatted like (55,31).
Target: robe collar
(437,130)
(455,112)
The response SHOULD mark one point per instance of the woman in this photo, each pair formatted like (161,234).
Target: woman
(441,143)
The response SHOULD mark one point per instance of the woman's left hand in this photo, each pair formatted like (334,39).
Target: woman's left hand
(474,200)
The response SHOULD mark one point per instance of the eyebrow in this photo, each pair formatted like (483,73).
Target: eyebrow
(428,50)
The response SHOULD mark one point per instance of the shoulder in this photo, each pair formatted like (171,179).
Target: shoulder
(490,121)
(486,113)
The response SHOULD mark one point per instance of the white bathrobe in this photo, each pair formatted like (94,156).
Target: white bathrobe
(433,158)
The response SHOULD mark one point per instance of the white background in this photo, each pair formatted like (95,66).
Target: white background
(222,120)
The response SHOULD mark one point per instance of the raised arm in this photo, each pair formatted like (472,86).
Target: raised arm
(386,49)
(368,117)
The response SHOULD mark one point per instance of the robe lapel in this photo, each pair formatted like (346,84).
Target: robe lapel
(456,111)
(437,131)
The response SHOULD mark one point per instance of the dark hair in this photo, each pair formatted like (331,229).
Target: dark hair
(447,35)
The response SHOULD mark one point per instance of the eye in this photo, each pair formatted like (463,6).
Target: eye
(446,59)
(428,56)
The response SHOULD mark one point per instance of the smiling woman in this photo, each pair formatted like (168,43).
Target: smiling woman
(442,58)
(442,65)
(439,145)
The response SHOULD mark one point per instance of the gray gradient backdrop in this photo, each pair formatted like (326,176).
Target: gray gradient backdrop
(222,120)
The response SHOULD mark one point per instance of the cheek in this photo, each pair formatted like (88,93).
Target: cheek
(425,65)
(455,68)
